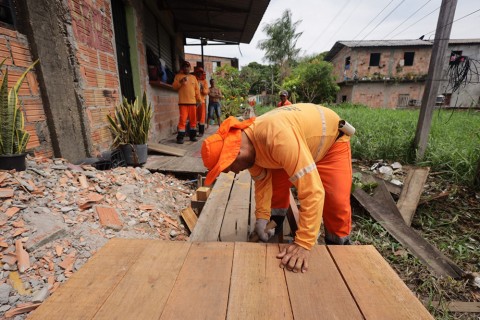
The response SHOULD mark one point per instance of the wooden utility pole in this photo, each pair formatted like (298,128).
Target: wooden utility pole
(437,62)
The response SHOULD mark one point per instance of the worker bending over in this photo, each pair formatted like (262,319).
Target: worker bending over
(298,144)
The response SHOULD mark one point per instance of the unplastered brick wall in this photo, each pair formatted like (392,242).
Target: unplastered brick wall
(93,31)
(14,48)
(380,95)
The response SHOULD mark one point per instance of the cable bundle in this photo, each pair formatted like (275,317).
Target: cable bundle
(461,71)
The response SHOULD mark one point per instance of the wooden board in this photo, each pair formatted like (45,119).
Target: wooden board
(395,225)
(210,221)
(173,164)
(93,283)
(377,280)
(150,280)
(203,282)
(383,196)
(190,218)
(235,221)
(257,289)
(332,294)
(411,192)
(459,306)
(162,148)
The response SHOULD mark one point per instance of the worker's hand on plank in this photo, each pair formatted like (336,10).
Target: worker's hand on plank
(294,258)
(260,226)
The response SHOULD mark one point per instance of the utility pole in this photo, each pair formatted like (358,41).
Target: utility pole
(437,61)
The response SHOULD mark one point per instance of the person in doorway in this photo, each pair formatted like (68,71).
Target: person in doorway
(298,144)
(283,99)
(201,111)
(188,101)
(214,106)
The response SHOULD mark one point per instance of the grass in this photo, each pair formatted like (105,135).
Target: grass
(454,141)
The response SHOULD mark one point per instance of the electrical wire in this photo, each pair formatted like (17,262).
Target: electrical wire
(415,22)
(345,21)
(446,25)
(372,20)
(406,19)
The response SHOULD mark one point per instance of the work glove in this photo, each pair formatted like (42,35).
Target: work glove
(260,226)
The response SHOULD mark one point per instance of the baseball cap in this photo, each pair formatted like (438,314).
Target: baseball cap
(284,93)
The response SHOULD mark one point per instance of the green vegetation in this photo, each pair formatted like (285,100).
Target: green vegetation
(454,144)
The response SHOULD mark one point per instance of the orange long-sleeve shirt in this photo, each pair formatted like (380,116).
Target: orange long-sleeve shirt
(189,91)
(294,138)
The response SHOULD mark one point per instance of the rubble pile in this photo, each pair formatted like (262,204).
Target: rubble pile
(55,215)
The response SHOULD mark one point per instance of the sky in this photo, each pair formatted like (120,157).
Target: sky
(323,22)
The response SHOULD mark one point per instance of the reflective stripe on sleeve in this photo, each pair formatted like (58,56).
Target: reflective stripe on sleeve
(324,132)
(303,172)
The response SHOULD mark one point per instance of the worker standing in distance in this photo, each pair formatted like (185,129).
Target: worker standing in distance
(201,111)
(214,106)
(283,99)
(188,101)
(299,144)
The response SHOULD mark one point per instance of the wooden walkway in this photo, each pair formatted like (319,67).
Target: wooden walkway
(151,279)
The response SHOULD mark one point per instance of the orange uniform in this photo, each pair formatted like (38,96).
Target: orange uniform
(286,103)
(188,96)
(201,111)
(299,145)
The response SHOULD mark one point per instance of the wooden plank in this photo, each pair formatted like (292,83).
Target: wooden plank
(377,289)
(395,225)
(292,214)
(172,164)
(383,196)
(190,218)
(147,283)
(257,287)
(411,192)
(458,306)
(203,193)
(321,290)
(251,219)
(201,289)
(210,221)
(162,148)
(108,217)
(85,292)
(235,221)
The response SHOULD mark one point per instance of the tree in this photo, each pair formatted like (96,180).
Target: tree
(261,77)
(234,89)
(280,47)
(313,80)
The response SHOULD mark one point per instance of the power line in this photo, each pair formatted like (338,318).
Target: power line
(346,19)
(446,25)
(406,20)
(372,20)
(398,5)
(416,22)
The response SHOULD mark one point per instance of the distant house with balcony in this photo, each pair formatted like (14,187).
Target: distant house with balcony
(210,63)
(392,73)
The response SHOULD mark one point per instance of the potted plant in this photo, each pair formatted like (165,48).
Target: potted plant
(130,127)
(13,136)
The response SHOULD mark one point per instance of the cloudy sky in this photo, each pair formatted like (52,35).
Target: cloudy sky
(323,22)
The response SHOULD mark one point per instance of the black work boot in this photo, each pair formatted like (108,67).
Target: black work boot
(193,135)
(180,137)
(201,130)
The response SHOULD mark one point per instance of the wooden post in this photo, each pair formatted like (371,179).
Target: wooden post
(437,62)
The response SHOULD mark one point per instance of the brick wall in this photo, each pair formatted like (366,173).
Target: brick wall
(380,95)
(14,47)
(195,59)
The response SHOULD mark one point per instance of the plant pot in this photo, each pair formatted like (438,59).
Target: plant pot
(13,161)
(134,154)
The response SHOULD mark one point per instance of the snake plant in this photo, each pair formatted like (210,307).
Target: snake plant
(13,136)
(131,122)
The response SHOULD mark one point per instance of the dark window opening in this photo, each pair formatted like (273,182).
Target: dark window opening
(6,13)
(408,58)
(347,63)
(344,98)
(374,59)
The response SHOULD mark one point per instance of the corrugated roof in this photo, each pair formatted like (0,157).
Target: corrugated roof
(219,20)
(339,45)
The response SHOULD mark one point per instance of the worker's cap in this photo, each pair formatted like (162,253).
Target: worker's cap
(185,64)
(284,93)
(222,148)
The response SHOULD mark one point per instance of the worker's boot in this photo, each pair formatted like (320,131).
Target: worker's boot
(193,135)
(201,130)
(180,137)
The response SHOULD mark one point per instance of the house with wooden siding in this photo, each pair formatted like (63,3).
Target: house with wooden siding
(392,73)
(94,52)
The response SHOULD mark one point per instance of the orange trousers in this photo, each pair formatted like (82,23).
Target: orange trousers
(335,170)
(187,111)
(201,113)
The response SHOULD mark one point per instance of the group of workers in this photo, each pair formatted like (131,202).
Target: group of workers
(192,95)
(303,145)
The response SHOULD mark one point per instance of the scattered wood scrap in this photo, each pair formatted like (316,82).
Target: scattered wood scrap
(190,218)
(203,193)
(411,192)
(161,148)
(458,306)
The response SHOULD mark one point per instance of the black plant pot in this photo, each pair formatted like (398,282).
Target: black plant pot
(134,154)
(13,161)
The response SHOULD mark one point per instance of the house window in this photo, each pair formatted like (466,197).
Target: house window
(6,13)
(215,65)
(374,59)
(408,58)
(344,98)
(403,100)
(347,63)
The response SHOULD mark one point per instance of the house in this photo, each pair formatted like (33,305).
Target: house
(392,73)
(210,63)
(94,52)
